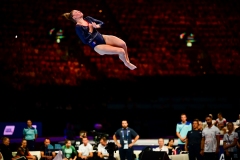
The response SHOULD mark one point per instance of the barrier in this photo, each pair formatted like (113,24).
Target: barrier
(142,143)
(36,153)
(136,152)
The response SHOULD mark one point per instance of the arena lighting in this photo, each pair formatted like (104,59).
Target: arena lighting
(189,38)
(58,34)
(189,44)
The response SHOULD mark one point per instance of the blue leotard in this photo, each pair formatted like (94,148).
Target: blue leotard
(92,39)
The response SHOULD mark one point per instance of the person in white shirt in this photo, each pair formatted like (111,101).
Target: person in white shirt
(205,123)
(102,152)
(213,121)
(85,150)
(161,146)
(238,121)
(229,143)
(220,122)
(210,141)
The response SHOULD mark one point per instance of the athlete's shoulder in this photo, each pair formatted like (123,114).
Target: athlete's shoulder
(88,18)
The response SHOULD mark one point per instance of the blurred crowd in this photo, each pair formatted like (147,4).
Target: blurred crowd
(151,30)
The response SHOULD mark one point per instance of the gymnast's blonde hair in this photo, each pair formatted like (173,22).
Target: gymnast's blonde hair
(69,16)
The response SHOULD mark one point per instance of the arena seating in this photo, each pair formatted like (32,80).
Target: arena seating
(151,30)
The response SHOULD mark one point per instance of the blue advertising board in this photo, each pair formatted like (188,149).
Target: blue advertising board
(15,129)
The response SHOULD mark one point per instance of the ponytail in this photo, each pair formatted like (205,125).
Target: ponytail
(68,16)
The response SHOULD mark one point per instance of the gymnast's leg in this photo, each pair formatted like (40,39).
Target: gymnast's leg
(103,49)
(117,42)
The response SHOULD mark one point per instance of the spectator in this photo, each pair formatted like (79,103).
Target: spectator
(125,135)
(24,151)
(213,121)
(237,130)
(170,146)
(68,151)
(193,142)
(46,153)
(200,125)
(229,143)
(30,134)
(85,150)
(238,147)
(5,149)
(102,152)
(210,141)
(220,122)
(78,141)
(181,131)
(161,146)
(238,121)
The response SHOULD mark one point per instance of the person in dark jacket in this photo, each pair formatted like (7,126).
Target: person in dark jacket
(23,151)
(5,149)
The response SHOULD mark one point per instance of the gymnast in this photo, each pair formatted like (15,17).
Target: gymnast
(86,29)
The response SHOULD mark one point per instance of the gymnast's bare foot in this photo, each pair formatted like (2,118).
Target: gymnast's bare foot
(131,66)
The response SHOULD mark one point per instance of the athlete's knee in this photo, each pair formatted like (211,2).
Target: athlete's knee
(121,51)
(123,44)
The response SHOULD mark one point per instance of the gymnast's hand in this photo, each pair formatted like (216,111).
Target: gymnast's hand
(90,27)
(95,25)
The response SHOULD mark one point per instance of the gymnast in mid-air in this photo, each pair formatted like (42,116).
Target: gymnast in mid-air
(86,29)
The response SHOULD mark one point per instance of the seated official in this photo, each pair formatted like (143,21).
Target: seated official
(24,151)
(161,147)
(68,151)
(102,152)
(78,141)
(47,154)
(5,150)
(85,150)
(170,146)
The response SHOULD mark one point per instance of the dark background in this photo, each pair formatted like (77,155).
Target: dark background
(39,80)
